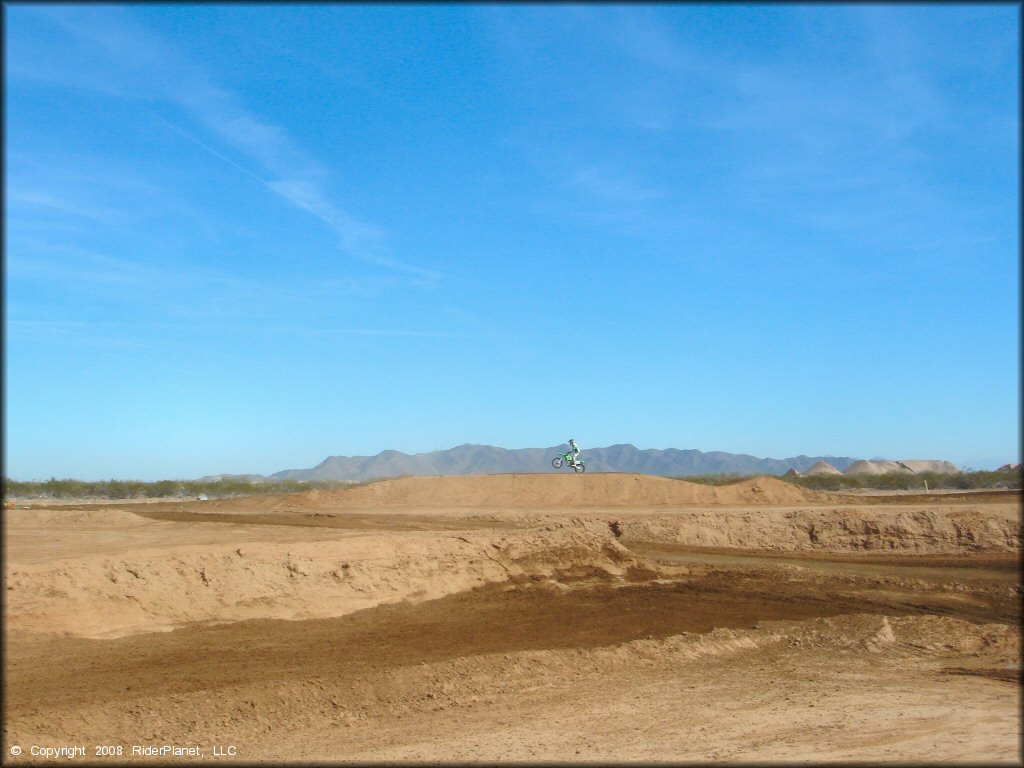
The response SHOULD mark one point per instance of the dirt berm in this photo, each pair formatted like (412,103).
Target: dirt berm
(161,588)
(174,573)
(904,531)
(545,491)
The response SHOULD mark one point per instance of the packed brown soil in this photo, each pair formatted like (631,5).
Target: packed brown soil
(486,619)
(525,491)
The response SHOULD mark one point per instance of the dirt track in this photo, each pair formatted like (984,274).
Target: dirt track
(318,628)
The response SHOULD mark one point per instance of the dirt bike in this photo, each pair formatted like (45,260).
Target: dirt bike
(567,458)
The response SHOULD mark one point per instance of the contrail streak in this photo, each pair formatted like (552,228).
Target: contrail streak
(268,184)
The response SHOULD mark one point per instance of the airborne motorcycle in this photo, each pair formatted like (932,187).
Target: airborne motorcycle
(567,458)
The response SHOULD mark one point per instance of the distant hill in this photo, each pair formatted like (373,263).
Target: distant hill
(239,478)
(487,459)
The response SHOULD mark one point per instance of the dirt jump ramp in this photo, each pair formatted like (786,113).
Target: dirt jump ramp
(540,491)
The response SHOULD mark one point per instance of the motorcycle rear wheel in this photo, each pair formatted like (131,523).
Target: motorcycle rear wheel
(580,468)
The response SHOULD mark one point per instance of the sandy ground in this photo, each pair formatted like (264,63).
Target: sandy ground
(518,618)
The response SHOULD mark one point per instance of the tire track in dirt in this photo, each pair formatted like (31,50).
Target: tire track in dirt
(589,609)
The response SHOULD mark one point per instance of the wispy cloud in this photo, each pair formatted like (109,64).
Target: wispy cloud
(80,333)
(166,294)
(151,71)
(79,266)
(397,332)
(614,186)
(835,141)
(62,193)
(640,35)
(365,240)
(26,199)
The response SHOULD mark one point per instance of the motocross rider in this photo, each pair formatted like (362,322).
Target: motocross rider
(574,450)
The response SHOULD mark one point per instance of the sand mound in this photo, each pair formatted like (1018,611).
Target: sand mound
(72,518)
(158,590)
(875,467)
(769,490)
(823,468)
(539,491)
(905,467)
(914,531)
(932,465)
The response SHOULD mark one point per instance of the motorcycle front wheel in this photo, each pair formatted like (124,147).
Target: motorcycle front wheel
(557,462)
(580,468)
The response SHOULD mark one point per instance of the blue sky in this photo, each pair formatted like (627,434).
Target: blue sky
(244,238)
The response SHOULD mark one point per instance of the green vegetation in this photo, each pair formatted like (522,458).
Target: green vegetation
(137,489)
(895,481)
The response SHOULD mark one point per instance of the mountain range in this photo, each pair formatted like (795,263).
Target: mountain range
(487,459)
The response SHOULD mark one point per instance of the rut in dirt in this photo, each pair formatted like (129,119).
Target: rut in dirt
(594,611)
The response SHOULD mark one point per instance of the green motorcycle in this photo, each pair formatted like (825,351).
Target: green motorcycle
(567,458)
